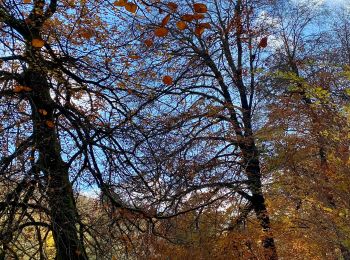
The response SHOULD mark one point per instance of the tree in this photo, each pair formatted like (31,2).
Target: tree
(309,84)
(53,87)
(210,59)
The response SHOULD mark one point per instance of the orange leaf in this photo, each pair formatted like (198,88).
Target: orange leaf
(18,89)
(26,88)
(187,17)
(165,20)
(38,43)
(120,3)
(167,80)
(134,56)
(27,1)
(148,42)
(131,7)
(49,123)
(205,25)
(263,42)
(42,111)
(172,6)
(181,25)
(161,32)
(199,30)
(200,8)
(198,16)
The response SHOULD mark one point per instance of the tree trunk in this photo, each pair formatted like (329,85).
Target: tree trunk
(258,201)
(63,212)
(345,252)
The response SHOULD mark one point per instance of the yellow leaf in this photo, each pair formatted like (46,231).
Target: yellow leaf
(38,43)
(161,32)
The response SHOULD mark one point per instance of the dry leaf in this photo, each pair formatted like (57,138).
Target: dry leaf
(120,3)
(26,88)
(172,6)
(18,89)
(161,32)
(181,25)
(49,123)
(167,80)
(200,8)
(199,30)
(187,17)
(148,42)
(131,7)
(198,16)
(263,42)
(165,20)
(42,111)
(38,43)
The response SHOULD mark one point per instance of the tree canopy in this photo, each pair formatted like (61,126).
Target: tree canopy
(174,130)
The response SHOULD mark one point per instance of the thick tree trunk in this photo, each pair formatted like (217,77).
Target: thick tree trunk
(258,201)
(64,215)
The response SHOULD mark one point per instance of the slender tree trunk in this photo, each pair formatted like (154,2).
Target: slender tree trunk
(63,211)
(258,201)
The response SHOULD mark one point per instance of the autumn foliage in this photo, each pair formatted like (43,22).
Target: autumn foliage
(174,130)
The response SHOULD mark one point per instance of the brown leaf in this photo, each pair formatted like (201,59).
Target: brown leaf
(198,16)
(148,42)
(165,20)
(42,111)
(187,17)
(131,7)
(167,80)
(200,8)
(205,25)
(161,32)
(120,3)
(263,42)
(49,123)
(181,25)
(18,89)
(199,30)
(172,6)
(38,43)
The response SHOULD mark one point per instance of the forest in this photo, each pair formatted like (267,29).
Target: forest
(174,130)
